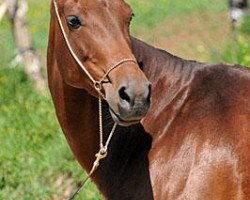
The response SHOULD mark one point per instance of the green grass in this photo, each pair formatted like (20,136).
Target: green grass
(238,51)
(245,26)
(241,52)
(34,154)
(150,14)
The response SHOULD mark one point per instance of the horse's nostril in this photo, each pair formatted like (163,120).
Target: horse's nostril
(123,95)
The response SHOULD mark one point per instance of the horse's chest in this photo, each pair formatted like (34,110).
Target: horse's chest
(169,170)
(186,171)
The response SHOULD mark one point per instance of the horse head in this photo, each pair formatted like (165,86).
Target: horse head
(94,35)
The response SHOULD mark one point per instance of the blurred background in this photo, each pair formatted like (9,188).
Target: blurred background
(35,161)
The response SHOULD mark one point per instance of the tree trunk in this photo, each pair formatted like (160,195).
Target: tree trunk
(17,10)
(3,9)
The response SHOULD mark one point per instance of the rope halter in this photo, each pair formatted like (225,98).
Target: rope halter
(97,84)
(103,151)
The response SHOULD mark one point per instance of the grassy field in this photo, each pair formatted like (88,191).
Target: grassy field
(35,161)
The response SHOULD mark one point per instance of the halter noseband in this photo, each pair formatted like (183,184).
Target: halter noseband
(97,84)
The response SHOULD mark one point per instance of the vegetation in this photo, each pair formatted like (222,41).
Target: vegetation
(239,51)
(35,161)
(149,14)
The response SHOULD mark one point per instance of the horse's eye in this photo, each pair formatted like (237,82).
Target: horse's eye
(74,22)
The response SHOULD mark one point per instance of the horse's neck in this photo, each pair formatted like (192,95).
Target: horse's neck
(170,77)
(159,65)
(127,159)
(77,113)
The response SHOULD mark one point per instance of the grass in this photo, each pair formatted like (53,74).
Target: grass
(239,51)
(149,14)
(34,154)
(35,161)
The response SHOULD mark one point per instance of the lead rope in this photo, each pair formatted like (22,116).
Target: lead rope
(103,151)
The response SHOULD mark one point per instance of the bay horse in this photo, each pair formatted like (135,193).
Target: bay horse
(193,142)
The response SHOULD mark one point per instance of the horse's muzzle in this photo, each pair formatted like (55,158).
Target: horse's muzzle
(133,104)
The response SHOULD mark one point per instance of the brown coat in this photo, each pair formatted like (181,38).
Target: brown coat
(193,144)
(199,122)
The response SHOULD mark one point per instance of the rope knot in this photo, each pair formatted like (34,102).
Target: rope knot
(101,154)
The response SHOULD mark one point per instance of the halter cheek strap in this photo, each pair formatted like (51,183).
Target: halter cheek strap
(97,84)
